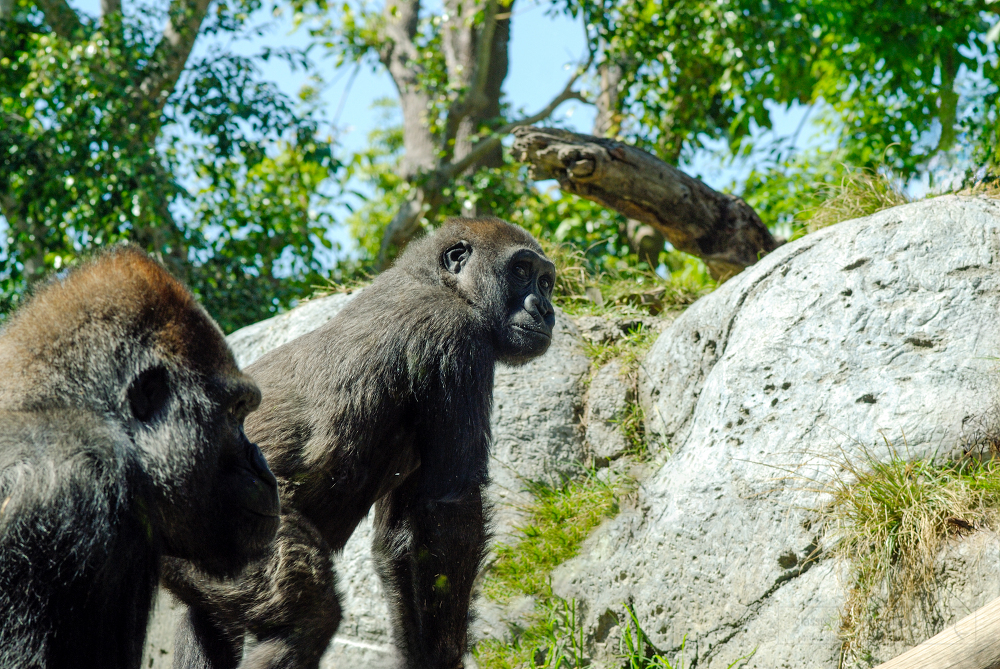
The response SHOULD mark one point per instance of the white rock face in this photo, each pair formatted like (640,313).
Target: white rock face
(606,403)
(536,436)
(881,326)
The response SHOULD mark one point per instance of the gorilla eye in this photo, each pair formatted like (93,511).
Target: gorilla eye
(149,393)
(521,270)
(546,283)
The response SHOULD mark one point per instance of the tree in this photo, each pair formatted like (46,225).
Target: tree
(671,77)
(110,131)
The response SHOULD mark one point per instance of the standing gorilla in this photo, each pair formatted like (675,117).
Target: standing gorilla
(388,404)
(121,440)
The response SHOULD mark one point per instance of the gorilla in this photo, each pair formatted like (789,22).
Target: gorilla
(121,441)
(389,405)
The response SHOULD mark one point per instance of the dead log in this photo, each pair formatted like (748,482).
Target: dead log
(972,643)
(721,229)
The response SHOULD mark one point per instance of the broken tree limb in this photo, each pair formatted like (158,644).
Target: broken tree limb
(722,230)
(972,643)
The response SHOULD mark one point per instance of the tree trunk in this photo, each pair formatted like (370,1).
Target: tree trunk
(973,643)
(722,230)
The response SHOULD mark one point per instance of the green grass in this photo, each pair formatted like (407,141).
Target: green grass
(622,289)
(552,639)
(891,519)
(638,652)
(559,519)
(862,192)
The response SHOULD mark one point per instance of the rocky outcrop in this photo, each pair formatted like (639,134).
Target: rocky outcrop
(874,329)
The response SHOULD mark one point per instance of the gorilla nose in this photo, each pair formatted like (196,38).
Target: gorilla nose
(536,306)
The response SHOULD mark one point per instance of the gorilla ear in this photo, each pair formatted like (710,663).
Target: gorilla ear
(149,393)
(456,256)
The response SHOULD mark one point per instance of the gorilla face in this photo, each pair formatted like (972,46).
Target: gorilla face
(516,292)
(527,330)
(217,498)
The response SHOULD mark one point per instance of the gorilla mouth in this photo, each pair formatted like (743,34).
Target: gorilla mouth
(533,330)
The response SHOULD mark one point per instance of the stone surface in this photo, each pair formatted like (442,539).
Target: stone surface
(607,399)
(883,327)
(536,436)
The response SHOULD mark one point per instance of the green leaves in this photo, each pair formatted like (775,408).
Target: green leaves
(228,183)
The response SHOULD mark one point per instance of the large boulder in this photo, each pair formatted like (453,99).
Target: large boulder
(879,328)
(536,436)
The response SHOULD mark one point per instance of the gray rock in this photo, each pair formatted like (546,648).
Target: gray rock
(536,436)
(879,327)
(255,340)
(607,401)
(597,330)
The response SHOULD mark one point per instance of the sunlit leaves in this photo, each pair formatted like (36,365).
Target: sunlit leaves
(229,184)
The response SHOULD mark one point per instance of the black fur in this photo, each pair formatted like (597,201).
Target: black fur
(121,441)
(388,404)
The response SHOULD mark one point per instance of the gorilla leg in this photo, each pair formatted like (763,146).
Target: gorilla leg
(288,602)
(428,554)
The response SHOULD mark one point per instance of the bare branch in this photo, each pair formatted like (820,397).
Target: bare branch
(721,229)
(403,226)
(171,54)
(484,146)
(64,21)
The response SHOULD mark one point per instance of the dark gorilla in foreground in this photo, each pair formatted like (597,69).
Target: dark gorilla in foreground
(387,404)
(121,440)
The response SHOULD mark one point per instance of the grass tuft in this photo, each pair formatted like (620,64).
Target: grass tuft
(582,290)
(861,192)
(559,519)
(891,519)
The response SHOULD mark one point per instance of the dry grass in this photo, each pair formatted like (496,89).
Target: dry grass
(891,519)
(581,290)
(861,192)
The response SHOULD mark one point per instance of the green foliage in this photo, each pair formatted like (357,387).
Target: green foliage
(225,181)
(887,71)
(891,517)
(638,652)
(559,519)
(553,639)
(816,189)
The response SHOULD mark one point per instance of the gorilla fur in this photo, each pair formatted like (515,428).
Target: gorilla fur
(388,405)
(121,441)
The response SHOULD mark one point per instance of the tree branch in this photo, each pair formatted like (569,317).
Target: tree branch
(721,229)
(171,54)
(64,21)
(484,146)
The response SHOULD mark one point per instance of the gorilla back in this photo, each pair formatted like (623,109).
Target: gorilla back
(388,404)
(121,440)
